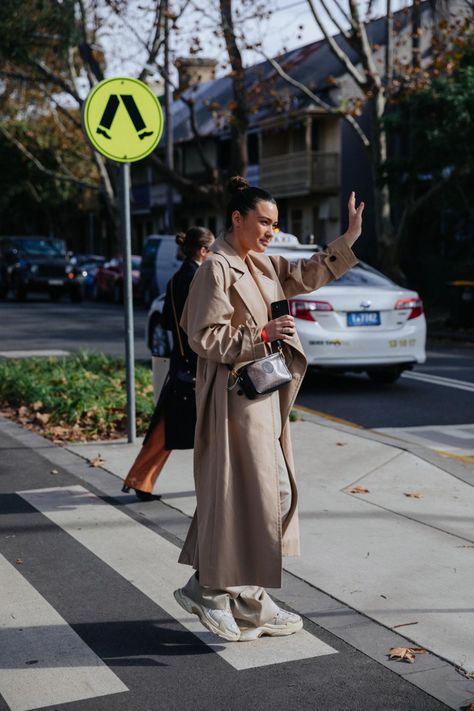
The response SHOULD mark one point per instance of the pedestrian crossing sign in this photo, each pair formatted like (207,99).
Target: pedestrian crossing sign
(123,119)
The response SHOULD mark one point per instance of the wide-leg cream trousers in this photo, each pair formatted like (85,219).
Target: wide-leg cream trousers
(249,603)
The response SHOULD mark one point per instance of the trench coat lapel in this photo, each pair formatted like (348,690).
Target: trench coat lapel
(243,282)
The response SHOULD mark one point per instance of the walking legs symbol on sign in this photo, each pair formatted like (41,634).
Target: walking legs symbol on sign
(132,110)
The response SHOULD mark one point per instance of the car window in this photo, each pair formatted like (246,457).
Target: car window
(363,275)
(151,247)
(42,247)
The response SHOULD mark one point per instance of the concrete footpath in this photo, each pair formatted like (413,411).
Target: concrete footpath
(387,534)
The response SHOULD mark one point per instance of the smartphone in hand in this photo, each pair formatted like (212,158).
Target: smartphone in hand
(280,308)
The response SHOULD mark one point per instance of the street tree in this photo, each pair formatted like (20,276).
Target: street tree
(378,75)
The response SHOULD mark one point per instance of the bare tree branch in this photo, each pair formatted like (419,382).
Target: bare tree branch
(317,100)
(47,171)
(365,50)
(340,54)
(336,22)
(56,80)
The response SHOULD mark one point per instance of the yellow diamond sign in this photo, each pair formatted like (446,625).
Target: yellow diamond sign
(123,119)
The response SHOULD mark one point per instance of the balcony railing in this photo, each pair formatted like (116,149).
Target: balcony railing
(300,173)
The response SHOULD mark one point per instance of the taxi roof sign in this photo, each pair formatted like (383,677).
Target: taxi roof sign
(123,119)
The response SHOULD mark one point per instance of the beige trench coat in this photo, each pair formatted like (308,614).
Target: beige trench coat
(236,536)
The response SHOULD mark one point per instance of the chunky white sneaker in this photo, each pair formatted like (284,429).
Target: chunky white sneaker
(221,622)
(284,623)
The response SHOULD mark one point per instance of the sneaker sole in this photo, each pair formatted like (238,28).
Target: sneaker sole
(248,634)
(194,609)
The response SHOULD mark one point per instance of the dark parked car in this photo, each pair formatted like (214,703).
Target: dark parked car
(109,279)
(37,264)
(87,266)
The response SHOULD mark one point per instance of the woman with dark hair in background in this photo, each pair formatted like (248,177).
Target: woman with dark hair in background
(246,517)
(174,419)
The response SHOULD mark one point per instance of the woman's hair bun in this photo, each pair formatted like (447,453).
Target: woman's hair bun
(236,184)
(180,238)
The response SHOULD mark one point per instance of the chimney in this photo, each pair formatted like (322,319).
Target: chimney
(193,71)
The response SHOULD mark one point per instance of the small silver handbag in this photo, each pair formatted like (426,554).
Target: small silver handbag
(262,376)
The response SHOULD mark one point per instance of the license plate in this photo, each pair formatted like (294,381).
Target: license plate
(55,282)
(363,318)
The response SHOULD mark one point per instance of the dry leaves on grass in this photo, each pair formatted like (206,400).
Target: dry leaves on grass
(413,494)
(42,418)
(359,490)
(96,461)
(406,654)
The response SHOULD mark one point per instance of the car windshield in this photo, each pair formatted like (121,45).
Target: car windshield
(42,247)
(363,275)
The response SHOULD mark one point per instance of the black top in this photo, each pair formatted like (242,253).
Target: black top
(180,283)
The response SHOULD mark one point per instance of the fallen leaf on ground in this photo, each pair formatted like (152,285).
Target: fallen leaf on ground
(468,705)
(19,561)
(148,389)
(413,494)
(37,405)
(466,674)
(43,418)
(359,490)
(96,461)
(23,411)
(406,654)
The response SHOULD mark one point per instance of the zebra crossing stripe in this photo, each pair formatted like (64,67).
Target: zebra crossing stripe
(439,380)
(43,661)
(149,562)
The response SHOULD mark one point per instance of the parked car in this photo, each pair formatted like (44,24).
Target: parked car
(36,264)
(87,265)
(109,279)
(161,259)
(361,322)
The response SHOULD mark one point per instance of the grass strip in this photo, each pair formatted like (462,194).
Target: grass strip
(74,398)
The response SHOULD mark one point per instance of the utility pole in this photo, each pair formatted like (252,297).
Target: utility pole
(168,124)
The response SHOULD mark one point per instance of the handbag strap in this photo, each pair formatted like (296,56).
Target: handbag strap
(178,331)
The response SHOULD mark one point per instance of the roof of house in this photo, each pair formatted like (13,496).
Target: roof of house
(313,65)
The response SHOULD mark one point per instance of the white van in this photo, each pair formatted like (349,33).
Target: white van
(162,257)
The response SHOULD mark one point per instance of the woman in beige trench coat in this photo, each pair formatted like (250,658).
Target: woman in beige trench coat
(246,517)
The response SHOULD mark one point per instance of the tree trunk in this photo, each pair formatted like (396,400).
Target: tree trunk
(387,244)
(239,113)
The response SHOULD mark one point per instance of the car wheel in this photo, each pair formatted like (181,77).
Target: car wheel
(76,296)
(384,375)
(18,291)
(158,341)
(117,294)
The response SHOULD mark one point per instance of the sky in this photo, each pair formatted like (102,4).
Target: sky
(289,24)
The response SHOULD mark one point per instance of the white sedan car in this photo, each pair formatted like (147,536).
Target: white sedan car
(362,321)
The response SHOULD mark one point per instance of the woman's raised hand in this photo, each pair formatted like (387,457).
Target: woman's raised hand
(355,220)
(281,328)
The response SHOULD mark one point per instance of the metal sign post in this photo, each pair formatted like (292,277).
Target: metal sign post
(123,120)
(125,230)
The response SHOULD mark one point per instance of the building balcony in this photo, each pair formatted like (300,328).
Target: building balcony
(302,173)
